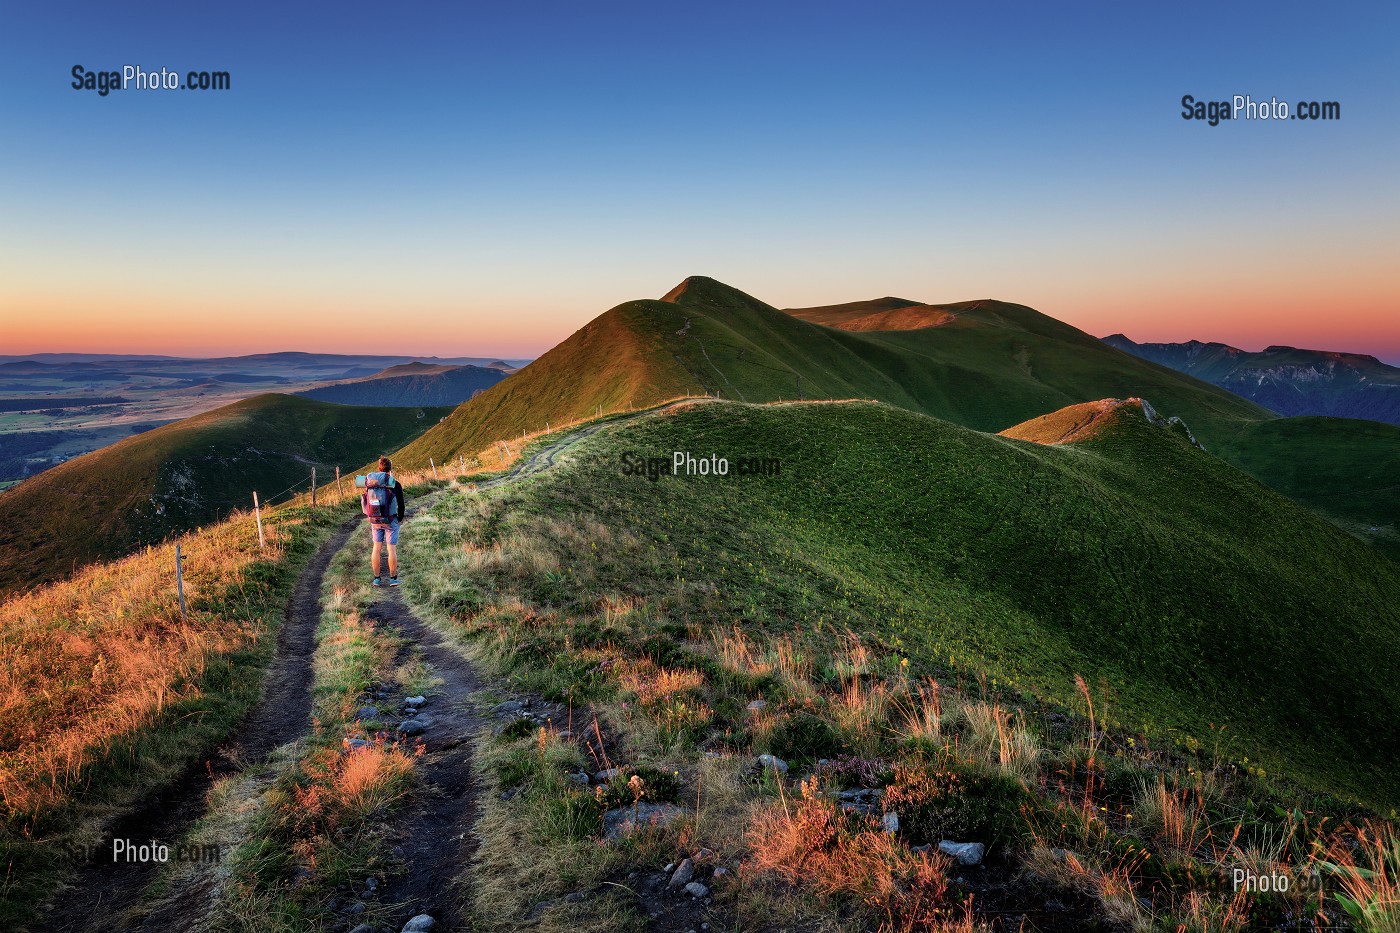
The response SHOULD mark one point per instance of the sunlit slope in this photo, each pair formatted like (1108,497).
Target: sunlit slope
(992,365)
(1190,591)
(183,475)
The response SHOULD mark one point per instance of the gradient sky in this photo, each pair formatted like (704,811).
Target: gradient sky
(488,177)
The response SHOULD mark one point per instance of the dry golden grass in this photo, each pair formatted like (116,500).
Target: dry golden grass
(810,845)
(1176,815)
(101,657)
(1368,872)
(371,777)
(1002,739)
(654,685)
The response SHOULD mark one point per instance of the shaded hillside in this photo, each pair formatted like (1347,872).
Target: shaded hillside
(411,385)
(1347,470)
(1286,380)
(1188,590)
(183,475)
(993,365)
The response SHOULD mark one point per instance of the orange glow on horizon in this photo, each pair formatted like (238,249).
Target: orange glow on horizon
(1357,319)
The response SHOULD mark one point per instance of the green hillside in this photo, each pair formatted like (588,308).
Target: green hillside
(982,364)
(1187,590)
(1345,469)
(184,475)
(994,365)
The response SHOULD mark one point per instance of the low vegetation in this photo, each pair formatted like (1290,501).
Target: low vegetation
(884,626)
(317,825)
(109,691)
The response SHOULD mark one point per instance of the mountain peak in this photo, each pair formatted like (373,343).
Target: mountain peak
(701,289)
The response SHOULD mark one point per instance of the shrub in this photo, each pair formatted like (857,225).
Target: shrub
(935,804)
(845,771)
(643,782)
(803,735)
(809,844)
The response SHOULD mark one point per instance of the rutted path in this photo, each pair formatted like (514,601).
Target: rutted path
(434,832)
(102,893)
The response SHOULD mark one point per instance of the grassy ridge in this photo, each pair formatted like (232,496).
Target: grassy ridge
(988,365)
(184,475)
(993,367)
(1195,594)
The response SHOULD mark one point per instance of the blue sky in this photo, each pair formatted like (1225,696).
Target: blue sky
(492,176)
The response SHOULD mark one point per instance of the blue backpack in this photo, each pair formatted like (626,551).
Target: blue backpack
(378,499)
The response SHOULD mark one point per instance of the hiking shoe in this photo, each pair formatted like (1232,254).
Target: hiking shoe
(375,582)
(393,581)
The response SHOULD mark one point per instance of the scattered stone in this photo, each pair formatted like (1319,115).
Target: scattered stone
(355,742)
(371,883)
(703,855)
(509,793)
(670,867)
(510,706)
(771,763)
(578,777)
(758,706)
(607,774)
(720,872)
(367,712)
(363,928)
(566,733)
(967,853)
(574,897)
(415,726)
(684,874)
(696,889)
(415,701)
(355,909)
(622,820)
(891,823)
(924,849)
(419,924)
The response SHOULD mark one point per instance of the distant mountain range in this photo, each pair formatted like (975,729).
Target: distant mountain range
(412,385)
(1286,380)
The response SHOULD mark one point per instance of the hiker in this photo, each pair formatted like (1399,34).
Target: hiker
(382,502)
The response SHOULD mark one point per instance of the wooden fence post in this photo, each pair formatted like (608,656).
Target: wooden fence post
(339,492)
(180,577)
(257,514)
(313,485)
(433,464)
(463,461)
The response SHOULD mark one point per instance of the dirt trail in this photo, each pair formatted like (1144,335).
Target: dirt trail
(103,893)
(433,832)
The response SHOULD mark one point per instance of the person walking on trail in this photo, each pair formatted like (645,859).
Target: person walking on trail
(382,503)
